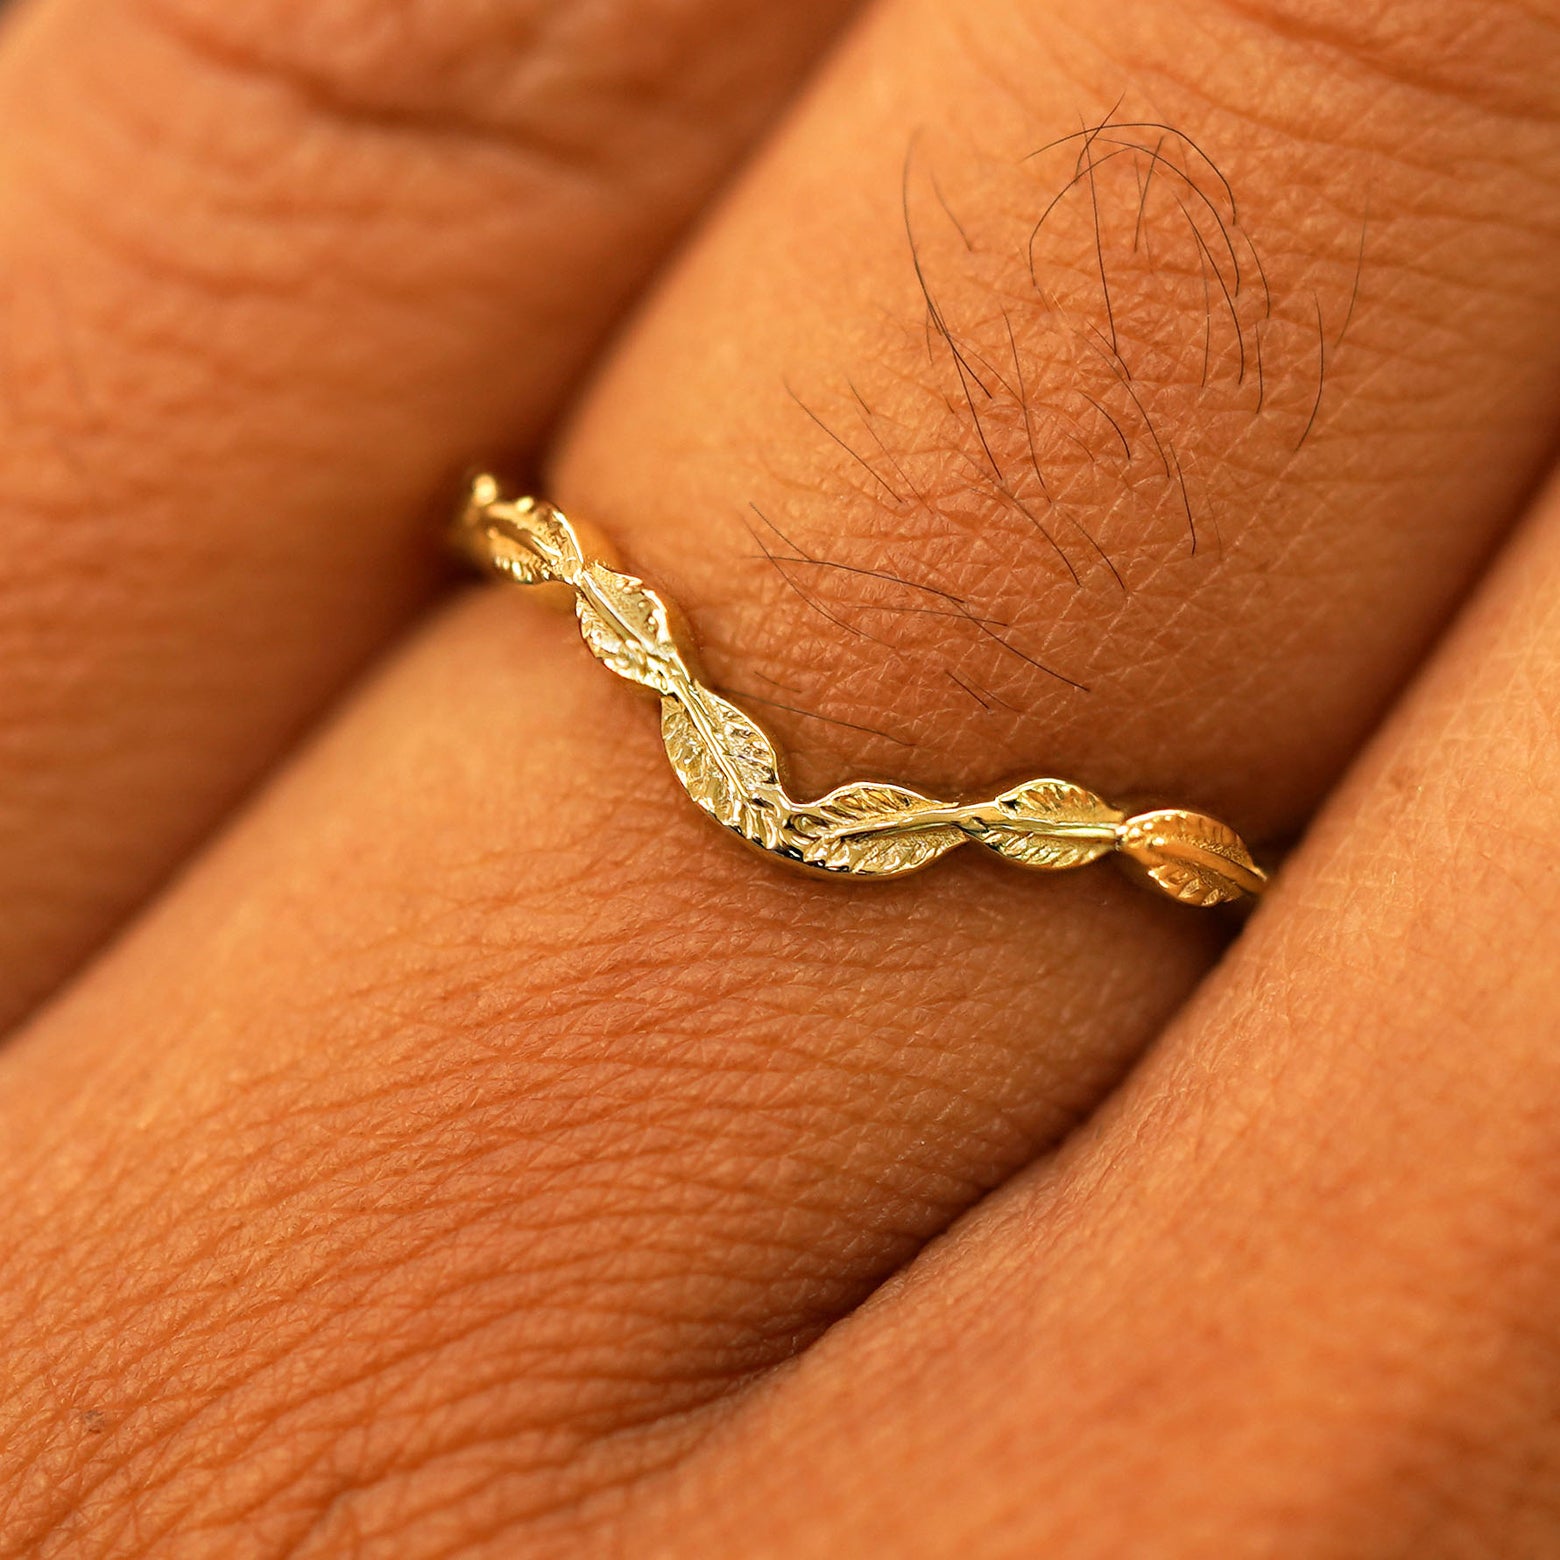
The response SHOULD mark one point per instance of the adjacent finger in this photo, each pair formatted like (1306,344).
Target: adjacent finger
(532,1111)
(1294,1293)
(270,277)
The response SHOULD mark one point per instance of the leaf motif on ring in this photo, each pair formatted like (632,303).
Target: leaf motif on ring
(726,764)
(872,830)
(1048,825)
(625,624)
(1191,857)
(532,544)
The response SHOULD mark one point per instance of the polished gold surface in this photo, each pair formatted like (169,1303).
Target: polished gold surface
(868,829)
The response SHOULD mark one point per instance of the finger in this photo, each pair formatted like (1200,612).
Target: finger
(621,1119)
(577,1105)
(268,280)
(1293,1295)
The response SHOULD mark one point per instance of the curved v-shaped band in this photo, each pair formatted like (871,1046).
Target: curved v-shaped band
(869,828)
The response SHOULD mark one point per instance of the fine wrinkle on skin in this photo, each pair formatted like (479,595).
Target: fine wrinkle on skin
(539,78)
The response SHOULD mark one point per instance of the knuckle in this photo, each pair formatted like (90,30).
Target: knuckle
(374,68)
(265,137)
(541,77)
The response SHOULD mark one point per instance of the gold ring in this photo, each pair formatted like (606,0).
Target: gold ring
(869,828)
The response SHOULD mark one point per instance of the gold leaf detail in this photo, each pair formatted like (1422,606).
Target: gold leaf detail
(874,830)
(625,624)
(1048,825)
(532,543)
(1193,858)
(725,763)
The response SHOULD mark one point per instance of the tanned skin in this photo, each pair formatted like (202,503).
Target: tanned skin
(472,1152)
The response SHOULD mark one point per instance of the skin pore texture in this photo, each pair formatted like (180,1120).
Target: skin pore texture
(475,1153)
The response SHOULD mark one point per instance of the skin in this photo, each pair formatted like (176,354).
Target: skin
(461,1161)
(263,300)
